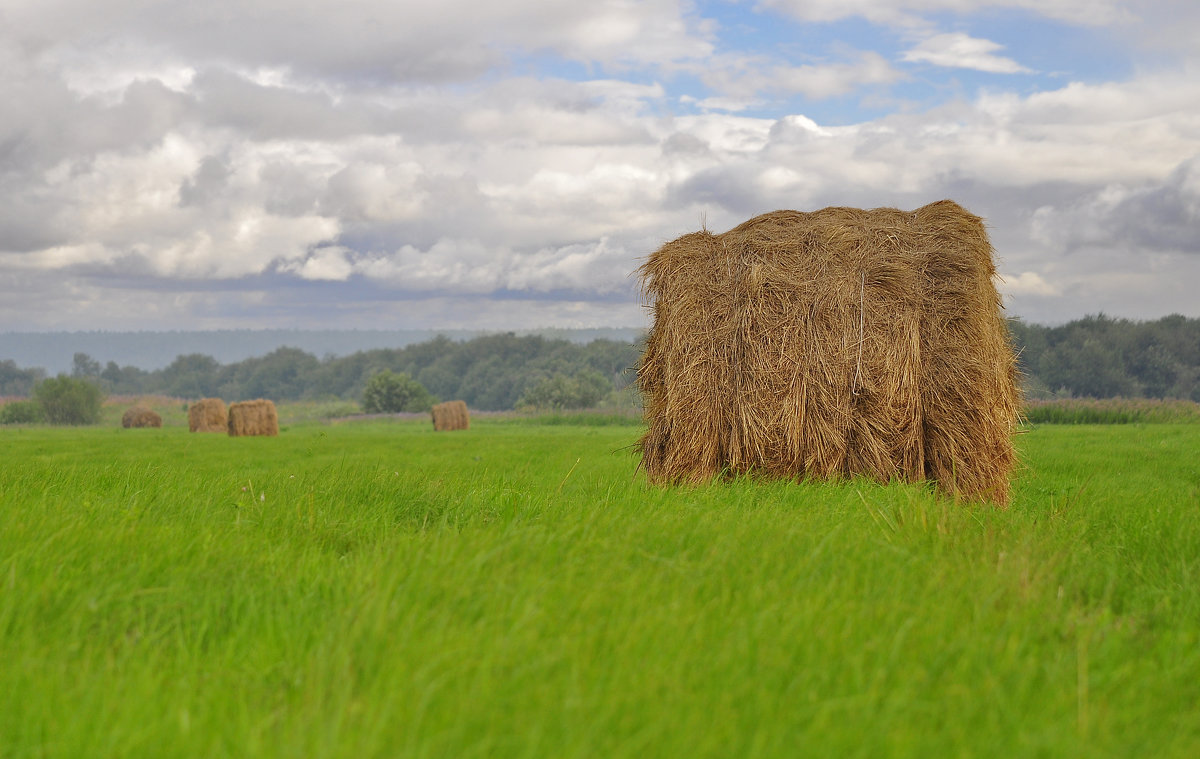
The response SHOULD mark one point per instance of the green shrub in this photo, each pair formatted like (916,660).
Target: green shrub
(582,390)
(69,400)
(388,393)
(22,412)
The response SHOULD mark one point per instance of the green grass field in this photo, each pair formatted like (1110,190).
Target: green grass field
(373,589)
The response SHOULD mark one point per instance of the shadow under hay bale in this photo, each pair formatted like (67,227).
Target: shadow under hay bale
(208,415)
(451,415)
(140,416)
(256,417)
(831,344)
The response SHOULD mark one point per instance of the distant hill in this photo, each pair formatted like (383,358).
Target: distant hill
(54,351)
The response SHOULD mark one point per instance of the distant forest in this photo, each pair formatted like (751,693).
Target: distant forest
(491,372)
(1102,357)
(1093,357)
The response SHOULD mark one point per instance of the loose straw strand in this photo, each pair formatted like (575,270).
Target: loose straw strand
(862,291)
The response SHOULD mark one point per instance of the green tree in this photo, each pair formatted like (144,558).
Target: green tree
(124,380)
(282,374)
(17,381)
(69,400)
(84,365)
(388,392)
(194,375)
(583,390)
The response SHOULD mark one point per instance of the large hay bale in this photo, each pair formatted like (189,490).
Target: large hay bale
(830,344)
(256,417)
(207,415)
(451,415)
(140,416)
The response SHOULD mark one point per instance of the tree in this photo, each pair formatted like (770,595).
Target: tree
(583,390)
(282,374)
(389,393)
(17,381)
(194,375)
(69,400)
(84,365)
(123,380)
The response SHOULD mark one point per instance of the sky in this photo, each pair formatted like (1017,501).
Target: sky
(454,164)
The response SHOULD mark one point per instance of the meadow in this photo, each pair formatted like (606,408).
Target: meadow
(374,589)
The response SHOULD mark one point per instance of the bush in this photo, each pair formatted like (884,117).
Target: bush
(390,393)
(583,390)
(69,400)
(22,412)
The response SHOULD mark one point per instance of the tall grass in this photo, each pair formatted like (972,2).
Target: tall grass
(378,590)
(1113,411)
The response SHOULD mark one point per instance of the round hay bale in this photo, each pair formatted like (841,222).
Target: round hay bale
(451,415)
(207,415)
(140,416)
(831,344)
(257,417)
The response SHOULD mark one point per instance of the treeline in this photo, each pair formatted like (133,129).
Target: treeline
(1093,357)
(1102,357)
(493,372)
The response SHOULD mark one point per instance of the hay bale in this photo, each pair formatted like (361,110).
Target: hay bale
(256,417)
(140,416)
(207,415)
(451,415)
(831,344)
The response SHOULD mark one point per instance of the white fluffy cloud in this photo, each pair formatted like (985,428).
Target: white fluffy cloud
(398,41)
(958,50)
(228,160)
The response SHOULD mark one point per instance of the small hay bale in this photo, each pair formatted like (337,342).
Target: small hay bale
(831,344)
(140,416)
(451,415)
(256,417)
(207,415)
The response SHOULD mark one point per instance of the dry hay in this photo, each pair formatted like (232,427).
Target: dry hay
(831,344)
(256,417)
(140,416)
(451,415)
(207,415)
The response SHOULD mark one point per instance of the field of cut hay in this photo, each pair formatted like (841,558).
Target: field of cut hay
(516,590)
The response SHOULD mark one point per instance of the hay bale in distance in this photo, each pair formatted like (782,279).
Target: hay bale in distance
(831,344)
(207,415)
(451,415)
(256,417)
(140,416)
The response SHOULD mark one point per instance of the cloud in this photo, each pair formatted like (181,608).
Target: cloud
(323,264)
(741,77)
(453,40)
(1160,217)
(482,207)
(534,152)
(958,50)
(470,267)
(1026,283)
(912,13)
